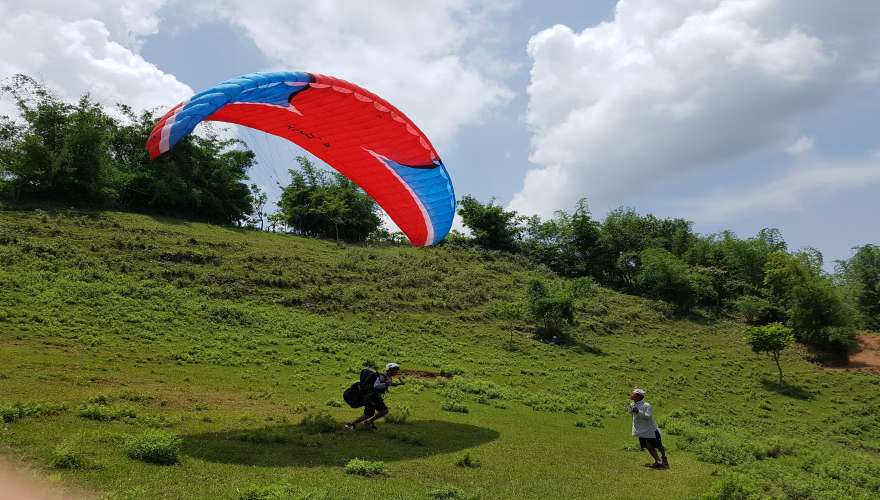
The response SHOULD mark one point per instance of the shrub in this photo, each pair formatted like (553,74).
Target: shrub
(154,446)
(446,493)
(365,468)
(467,462)
(104,413)
(318,423)
(67,456)
(736,487)
(723,451)
(10,412)
(399,416)
(454,406)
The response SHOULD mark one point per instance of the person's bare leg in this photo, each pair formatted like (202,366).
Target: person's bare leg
(663,456)
(359,420)
(377,416)
(653,452)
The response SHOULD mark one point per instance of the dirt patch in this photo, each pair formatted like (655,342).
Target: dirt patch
(425,374)
(18,484)
(867,357)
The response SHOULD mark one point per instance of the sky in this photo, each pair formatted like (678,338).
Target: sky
(735,114)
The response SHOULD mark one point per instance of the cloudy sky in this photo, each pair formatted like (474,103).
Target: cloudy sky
(736,114)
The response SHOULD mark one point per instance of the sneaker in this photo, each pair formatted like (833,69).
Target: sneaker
(657,465)
(349,427)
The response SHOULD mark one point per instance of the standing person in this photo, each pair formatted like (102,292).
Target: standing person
(374,392)
(646,429)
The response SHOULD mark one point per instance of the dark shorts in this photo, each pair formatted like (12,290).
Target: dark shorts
(373,403)
(654,442)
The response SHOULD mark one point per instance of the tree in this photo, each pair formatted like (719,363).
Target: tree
(553,310)
(771,339)
(812,305)
(664,276)
(861,274)
(493,227)
(260,199)
(327,205)
(79,154)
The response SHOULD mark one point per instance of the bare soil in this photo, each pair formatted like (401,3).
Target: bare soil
(866,357)
(20,484)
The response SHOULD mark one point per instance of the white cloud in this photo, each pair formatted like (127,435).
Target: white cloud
(412,53)
(670,87)
(786,194)
(89,48)
(802,145)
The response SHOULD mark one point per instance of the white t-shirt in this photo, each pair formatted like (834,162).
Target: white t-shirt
(643,421)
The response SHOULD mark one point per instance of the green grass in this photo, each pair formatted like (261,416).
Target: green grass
(229,350)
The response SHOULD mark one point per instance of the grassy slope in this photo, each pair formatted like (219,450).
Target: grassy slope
(233,335)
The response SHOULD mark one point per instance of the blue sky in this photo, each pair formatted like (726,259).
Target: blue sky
(735,114)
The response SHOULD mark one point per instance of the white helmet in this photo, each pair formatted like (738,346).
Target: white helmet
(392,366)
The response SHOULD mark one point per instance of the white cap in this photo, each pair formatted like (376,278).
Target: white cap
(391,366)
(640,392)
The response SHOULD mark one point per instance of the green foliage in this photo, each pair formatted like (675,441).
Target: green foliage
(493,227)
(772,339)
(67,455)
(399,416)
(327,205)
(80,155)
(815,308)
(365,468)
(551,309)
(154,446)
(10,412)
(861,273)
(664,276)
(103,413)
(454,407)
(450,493)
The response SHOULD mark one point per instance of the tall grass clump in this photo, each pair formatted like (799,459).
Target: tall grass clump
(154,446)
(318,423)
(399,416)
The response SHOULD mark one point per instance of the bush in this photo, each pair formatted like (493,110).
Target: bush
(365,468)
(447,492)
(318,423)
(67,456)
(399,416)
(10,412)
(454,406)
(104,413)
(154,446)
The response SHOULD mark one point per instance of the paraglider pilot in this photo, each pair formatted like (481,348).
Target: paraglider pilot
(374,387)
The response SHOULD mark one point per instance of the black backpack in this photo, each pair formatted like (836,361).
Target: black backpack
(358,391)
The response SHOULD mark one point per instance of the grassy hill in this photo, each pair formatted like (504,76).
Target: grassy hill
(120,329)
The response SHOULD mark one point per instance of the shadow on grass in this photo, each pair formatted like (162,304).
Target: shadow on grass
(289,445)
(786,389)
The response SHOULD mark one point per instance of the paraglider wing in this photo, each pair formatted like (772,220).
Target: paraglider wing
(351,129)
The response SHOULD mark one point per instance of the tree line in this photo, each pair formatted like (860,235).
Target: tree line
(757,278)
(83,155)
